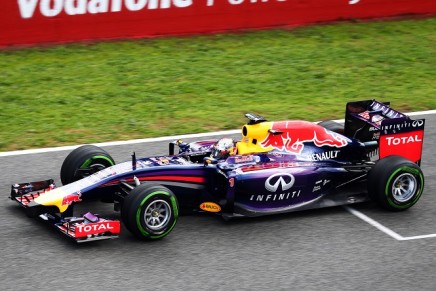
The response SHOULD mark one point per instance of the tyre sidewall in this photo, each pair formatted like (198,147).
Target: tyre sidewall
(135,207)
(390,201)
(82,157)
(383,175)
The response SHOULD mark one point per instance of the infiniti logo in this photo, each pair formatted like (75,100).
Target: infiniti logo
(417,123)
(274,181)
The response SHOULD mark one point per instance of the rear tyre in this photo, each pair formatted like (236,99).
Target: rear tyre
(150,211)
(88,158)
(332,126)
(395,183)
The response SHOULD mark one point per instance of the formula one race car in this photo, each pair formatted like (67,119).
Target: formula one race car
(276,167)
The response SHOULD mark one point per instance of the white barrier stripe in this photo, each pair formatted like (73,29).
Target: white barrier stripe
(148,140)
(421,113)
(117,143)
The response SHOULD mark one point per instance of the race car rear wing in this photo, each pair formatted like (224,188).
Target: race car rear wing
(395,132)
(402,138)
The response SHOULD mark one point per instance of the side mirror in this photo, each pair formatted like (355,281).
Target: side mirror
(210,161)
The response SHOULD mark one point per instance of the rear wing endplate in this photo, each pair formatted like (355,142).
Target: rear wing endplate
(403,138)
(395,132)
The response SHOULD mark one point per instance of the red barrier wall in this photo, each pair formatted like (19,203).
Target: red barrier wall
(52,21)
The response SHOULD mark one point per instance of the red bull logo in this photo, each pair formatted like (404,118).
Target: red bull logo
(290,136)
(69,199)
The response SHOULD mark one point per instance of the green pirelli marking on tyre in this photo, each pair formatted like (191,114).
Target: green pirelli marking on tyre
(176,209)
(138,214)
(89,161)
(419,189)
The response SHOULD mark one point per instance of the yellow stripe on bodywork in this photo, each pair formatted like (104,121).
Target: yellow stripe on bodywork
(53,198)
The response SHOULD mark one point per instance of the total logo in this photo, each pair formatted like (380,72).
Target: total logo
(97,228)
(94,227)
(403,140)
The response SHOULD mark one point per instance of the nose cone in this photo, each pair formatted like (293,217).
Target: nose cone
(54,197)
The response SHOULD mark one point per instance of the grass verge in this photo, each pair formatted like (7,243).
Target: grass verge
(84,93)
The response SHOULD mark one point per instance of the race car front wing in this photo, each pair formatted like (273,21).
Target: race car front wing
(89,227)
(86,228)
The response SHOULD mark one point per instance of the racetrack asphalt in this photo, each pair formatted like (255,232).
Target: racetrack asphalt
(324,249)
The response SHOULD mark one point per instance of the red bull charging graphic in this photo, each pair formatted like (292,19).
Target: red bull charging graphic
(69,199)
(290,136)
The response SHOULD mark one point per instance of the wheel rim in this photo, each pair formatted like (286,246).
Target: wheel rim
(92,169)
(157,214)
(404,187)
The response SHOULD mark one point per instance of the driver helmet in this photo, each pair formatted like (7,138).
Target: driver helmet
(223,148)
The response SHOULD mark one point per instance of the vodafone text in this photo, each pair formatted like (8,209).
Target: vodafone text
(52,8)
(236,2)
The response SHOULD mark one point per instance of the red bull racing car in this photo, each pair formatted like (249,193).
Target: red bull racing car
(275,167)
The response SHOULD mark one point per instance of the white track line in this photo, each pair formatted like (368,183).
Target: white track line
(383,228)
(117,143)
(148,140)
(374,223)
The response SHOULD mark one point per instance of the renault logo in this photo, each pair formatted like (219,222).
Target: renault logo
(283,179)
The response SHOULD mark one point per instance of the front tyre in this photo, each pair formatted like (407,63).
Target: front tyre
(84,161)
(150,211)
(395,183)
